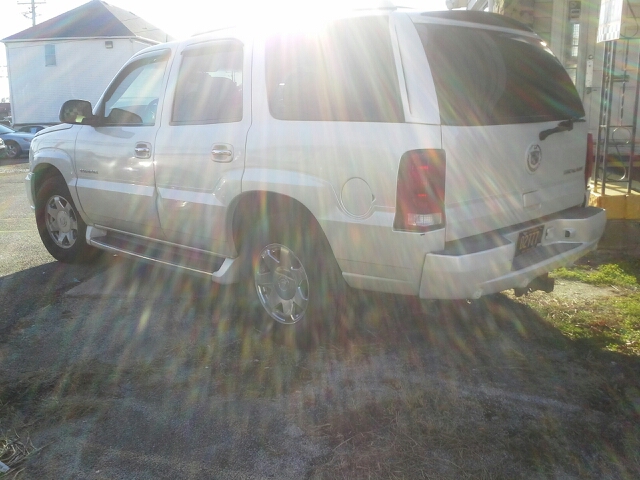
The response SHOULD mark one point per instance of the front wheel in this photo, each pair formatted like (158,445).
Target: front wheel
(13,149)
(61,228)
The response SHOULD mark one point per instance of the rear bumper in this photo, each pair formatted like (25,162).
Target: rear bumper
(486,264)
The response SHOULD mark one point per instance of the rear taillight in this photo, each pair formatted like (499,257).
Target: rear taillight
(589,162)
(420,193)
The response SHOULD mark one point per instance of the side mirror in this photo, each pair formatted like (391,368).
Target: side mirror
(76,112)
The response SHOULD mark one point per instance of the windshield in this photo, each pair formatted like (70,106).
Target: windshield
(486,77)
(4,129)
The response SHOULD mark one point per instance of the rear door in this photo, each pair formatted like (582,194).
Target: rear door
(200,149)
(498,90)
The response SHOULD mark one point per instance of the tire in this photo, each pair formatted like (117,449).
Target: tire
(13,149)
(291,276)
(61,228)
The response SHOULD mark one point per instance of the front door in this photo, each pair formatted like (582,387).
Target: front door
(200,147)
(114,160)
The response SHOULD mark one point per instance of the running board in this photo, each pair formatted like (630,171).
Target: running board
(158,251)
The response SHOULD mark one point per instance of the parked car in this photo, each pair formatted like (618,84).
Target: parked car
(17,142)
(436,154)
(30,128)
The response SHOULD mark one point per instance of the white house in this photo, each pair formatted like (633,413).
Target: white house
(71,56)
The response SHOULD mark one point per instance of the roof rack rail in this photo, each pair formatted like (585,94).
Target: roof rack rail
(482,18)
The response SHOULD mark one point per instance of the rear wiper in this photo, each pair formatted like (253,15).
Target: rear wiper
(563,126)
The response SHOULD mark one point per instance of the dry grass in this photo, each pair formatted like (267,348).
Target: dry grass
(14,451)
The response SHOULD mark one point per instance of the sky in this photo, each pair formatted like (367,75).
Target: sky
(185,17)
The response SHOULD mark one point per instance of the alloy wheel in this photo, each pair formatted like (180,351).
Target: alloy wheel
(13,150)
(282,284)
(62,221)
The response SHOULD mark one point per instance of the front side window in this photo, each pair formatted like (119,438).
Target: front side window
(345,72)
(209,87)
(49,55)
(133,98)
(485,77)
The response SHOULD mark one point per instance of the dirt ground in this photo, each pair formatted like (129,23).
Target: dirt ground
(140,373)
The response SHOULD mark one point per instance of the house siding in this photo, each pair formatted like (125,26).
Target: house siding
(542,19)
(83,70)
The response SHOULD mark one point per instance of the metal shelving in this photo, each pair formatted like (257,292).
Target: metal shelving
(616,160)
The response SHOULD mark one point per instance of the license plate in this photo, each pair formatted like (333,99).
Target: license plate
(529,239)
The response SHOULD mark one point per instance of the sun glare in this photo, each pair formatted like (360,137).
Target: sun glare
(288,15)
(283,15)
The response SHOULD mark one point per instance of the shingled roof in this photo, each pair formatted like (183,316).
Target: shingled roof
(93,19)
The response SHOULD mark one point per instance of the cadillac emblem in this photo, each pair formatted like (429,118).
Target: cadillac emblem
(534,158)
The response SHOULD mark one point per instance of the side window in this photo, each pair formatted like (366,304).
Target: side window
(344,73)
(50,55)
(133,98)
(209,87)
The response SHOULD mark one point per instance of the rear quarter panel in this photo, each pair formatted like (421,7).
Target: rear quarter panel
(345,173)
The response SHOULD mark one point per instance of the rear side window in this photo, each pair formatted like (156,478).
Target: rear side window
(485,77)
(345,72)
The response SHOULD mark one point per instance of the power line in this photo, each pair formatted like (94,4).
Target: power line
(32,10)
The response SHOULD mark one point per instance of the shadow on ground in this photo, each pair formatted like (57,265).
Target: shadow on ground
(160,375)
(24,292)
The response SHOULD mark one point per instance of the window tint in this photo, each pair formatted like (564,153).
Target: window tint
(343,73)
(209,88)
(133,99)
(493,78)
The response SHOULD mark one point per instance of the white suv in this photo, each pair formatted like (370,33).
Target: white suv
(438,154)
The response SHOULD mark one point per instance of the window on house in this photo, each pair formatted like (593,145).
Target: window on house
(575,39)
(572,49)
(49,55)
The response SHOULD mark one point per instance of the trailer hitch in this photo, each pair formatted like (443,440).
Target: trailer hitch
(543,282)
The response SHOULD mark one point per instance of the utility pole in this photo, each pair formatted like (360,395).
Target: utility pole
(32,10)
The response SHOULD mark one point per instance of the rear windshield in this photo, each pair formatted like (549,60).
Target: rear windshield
(485,77)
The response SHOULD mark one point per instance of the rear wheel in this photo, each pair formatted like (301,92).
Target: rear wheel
(61,228)
(281,283)
(292,277)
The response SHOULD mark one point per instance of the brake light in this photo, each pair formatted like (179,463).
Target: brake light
(589,162)
(420,191)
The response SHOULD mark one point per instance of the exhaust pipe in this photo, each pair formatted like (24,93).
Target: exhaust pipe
(543,282)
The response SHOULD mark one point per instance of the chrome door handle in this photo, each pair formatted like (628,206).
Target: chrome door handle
(222,153)
(143,150)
